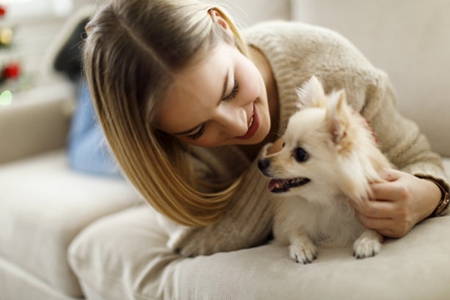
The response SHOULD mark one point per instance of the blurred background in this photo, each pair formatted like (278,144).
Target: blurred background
(32,31)
(407,39)
(28,28)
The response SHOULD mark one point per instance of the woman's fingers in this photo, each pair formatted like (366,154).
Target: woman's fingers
(398,203)
(386,226)
(375,209)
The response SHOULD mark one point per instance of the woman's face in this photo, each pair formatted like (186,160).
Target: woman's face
(221,100)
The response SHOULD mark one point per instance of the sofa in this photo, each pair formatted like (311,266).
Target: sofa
(69,235)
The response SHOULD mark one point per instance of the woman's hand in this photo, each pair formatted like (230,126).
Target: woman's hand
(398,204)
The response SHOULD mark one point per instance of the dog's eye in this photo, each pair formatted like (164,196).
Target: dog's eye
(300,155)
(283,145)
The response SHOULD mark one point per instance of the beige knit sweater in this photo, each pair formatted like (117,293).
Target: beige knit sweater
(295,52)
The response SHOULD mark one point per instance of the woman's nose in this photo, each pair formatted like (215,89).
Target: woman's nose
(233,121)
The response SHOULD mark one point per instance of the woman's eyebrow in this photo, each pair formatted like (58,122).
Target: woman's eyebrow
(224,91)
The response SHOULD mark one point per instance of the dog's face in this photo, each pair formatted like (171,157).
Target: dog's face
(305,158)
(314,139)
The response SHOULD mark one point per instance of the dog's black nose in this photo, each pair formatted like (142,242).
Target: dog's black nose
(263,163)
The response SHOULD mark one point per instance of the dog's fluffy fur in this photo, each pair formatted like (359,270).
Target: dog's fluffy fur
(329,156)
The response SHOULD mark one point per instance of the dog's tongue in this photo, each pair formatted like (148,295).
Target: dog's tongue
(277,184)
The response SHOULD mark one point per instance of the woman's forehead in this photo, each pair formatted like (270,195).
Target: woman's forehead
(205,77)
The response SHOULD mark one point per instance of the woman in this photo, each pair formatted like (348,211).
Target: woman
(187,102)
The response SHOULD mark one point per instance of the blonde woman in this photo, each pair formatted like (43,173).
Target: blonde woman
(187,102)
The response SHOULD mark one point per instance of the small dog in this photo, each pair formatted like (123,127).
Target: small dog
(329,155)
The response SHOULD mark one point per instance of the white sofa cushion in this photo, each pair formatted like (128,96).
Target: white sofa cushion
(43,206)
(124,256)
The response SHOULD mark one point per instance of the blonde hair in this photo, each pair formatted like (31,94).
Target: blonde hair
(132,50)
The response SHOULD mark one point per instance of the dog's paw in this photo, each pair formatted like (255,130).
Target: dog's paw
(303,253)
(367,245)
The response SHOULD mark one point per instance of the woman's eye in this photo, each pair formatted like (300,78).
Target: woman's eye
(234,92)
(198,134)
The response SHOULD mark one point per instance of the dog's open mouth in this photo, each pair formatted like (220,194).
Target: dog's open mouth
(283,185)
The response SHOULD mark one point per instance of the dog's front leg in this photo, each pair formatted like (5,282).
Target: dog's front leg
(368,244)
(302,249)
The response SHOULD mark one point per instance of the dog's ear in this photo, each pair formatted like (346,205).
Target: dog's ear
(311,94)
(338,115)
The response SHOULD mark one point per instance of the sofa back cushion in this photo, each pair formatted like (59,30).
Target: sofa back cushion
(410,40)
(248,12)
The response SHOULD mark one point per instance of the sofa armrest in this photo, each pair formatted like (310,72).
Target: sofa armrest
(36,121)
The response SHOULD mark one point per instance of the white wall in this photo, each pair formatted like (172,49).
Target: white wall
(30,9)
(248,12)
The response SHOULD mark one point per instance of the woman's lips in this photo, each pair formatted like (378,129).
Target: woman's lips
(253,126)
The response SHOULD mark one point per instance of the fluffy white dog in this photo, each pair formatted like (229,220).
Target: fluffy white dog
(329,155)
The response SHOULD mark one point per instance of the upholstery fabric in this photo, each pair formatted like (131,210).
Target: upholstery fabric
(13,279)
(38,223)
(414,267)
(37,122)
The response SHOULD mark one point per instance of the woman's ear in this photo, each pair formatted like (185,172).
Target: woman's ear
(217,18)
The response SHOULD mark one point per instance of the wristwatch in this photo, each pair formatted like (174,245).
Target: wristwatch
(443,203)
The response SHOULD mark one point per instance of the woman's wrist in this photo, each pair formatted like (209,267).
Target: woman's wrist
(444,199)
